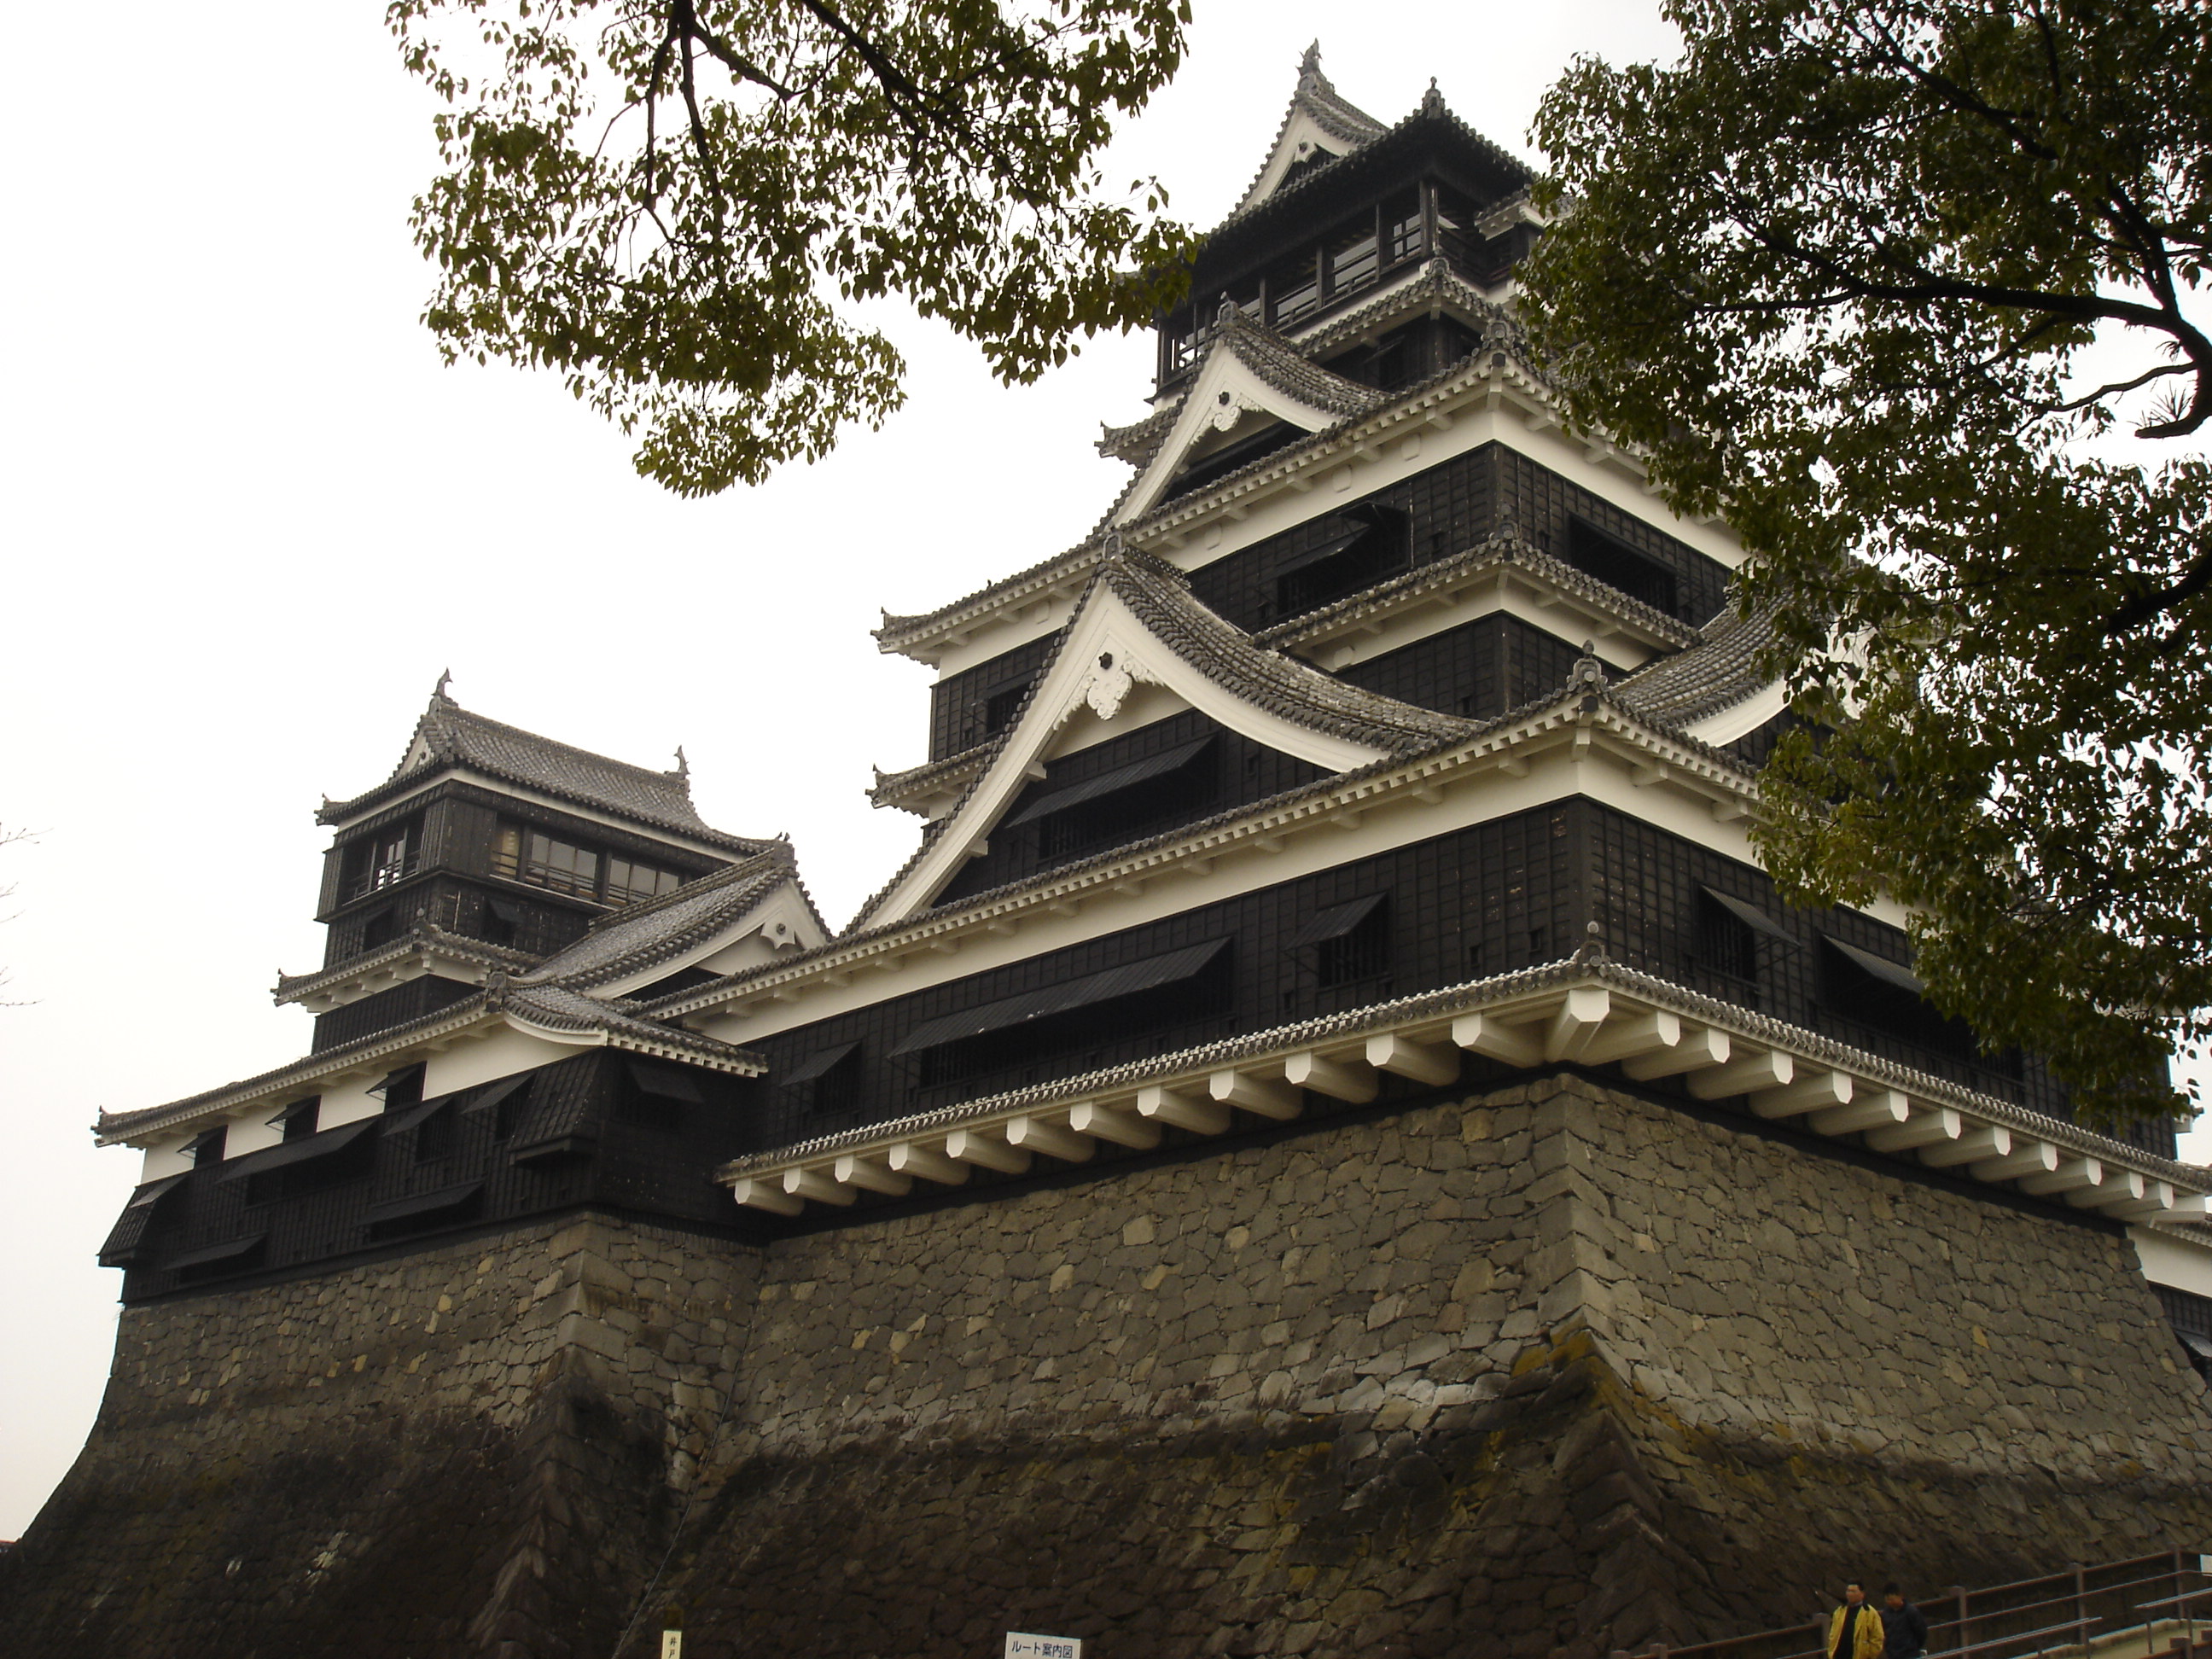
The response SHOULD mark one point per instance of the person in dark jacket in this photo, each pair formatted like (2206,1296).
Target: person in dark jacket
(1904,1627)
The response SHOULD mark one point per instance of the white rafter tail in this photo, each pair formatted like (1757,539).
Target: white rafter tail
(911,1158)
(2188,1207)
(818,1186)
(765,1193)
(1435,1063)
(1123,1128)
(1491,1037)
(1269,1096)
(1976,1143)
(1349,1080)
(2031,1158)
(1745,1074)
(1580,1016)
(1630,1038)
(1205,1117)
(988,1149)
(1696,1051)
(2117,1187)
(1037,1134)
(871,1174)
(2072,1175)
(2157,1199)
(1927,1128)
(1815,1091)
(1871,1109)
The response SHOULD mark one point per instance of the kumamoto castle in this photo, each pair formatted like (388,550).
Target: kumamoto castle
(1331,1145)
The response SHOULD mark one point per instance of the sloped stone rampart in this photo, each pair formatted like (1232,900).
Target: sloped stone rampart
(1549,1371)
(1555,1371)
(476,1448)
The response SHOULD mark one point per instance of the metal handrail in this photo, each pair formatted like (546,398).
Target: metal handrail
(1973,1609)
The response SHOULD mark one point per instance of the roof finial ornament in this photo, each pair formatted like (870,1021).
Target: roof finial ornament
(438,693)
(1117,545)
(1589,670)
(1225,313)
(1309,65)
(1592,949)
(682,766)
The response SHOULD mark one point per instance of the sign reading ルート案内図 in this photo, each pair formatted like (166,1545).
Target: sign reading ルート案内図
(1022,1645)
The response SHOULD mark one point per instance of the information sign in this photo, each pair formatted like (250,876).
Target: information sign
(1020,1644)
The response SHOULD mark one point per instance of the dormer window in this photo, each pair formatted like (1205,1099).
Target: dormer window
(542,860)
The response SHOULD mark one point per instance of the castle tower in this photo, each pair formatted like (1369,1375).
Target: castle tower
(1331,1145)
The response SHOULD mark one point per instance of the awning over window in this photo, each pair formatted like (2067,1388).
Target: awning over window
(498,1091)
(2201,1346)
(425,1203)
(666,1082)
(1894,974)
(408,1116)
(297,1108)
(120,1248)
(1150,974)
(293,1153)
(505,910)
(1327,548)
(1113,782)
(1336,921)
(1750,915)
(384,1084)
(205,1140)
(819,1063)
(209,1254)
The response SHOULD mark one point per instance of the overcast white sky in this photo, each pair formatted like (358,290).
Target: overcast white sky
(250,518)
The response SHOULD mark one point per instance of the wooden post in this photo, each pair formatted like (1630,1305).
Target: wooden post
(2082,1608)
(1966,1630)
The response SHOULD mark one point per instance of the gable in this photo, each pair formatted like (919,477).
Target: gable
(1248,380)
(1109,659)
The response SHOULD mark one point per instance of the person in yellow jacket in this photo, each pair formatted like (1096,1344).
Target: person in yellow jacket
(1855,1628)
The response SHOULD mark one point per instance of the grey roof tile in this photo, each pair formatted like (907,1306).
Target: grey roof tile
(644,935)
(1724,667)
(449,735)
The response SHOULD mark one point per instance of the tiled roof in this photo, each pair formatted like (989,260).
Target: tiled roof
(1431,108)
(1506,548)
(1725,666)
(1275,361)
(1318,98)
(1583,968)
(629,940)
(449,735)
(1161,597)
(897,632)
(549,1006)
(423,935)
(897,789)
(1135,443)
(1587,682)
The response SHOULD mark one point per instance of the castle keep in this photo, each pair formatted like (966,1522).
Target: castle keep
(1331,1145)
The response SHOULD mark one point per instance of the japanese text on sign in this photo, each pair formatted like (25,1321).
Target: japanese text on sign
(1022,1645)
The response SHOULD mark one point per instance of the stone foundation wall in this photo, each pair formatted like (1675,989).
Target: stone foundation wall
(1555,1371)
(1551,1371)
(478,1449)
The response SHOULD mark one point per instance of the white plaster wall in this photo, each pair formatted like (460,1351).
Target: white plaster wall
(350,1101)
(501,1055)
(2179,1263)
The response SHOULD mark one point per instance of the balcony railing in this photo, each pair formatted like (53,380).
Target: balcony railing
(380,876)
